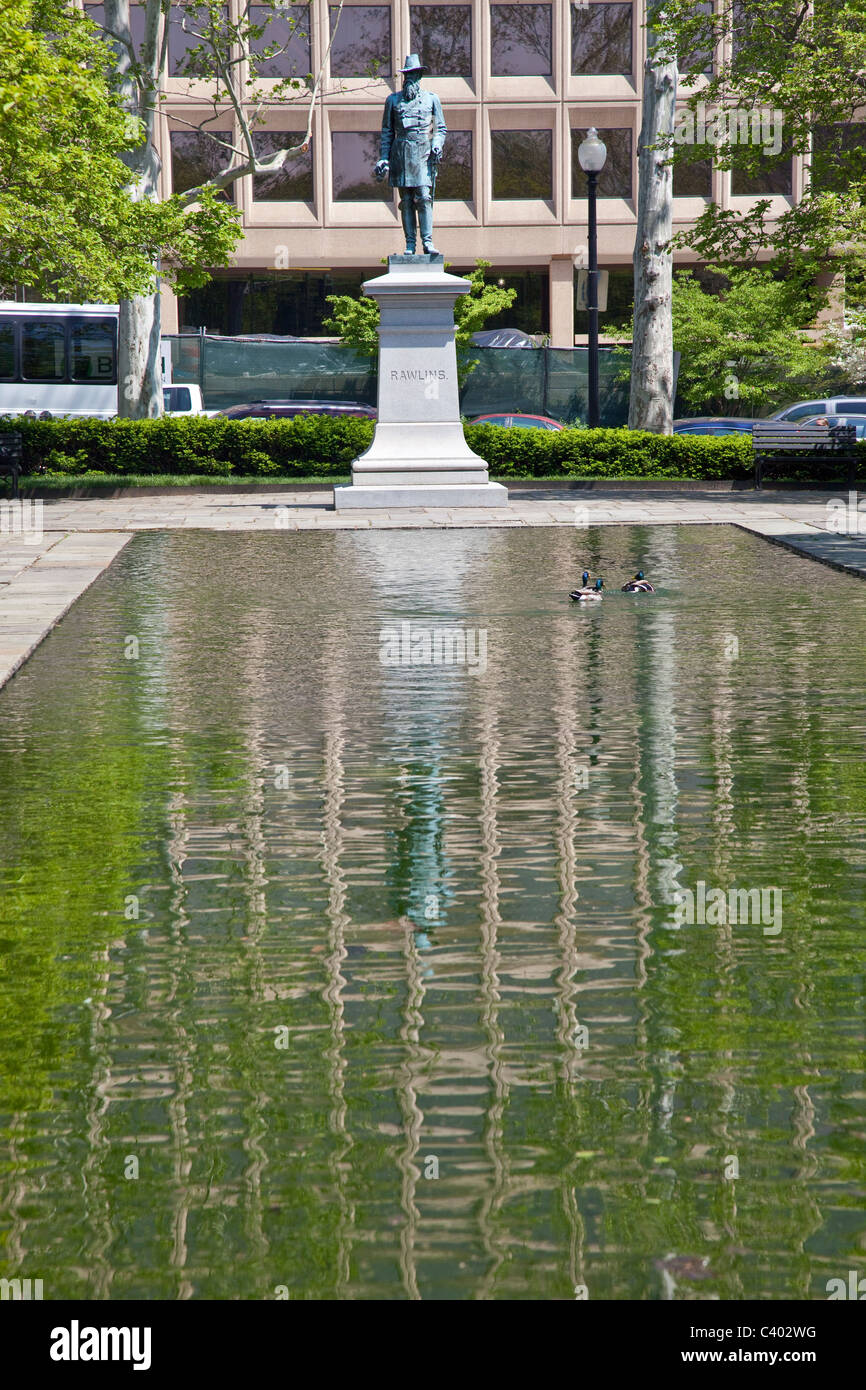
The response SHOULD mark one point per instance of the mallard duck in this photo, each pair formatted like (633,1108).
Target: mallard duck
(587,594)
(638,585)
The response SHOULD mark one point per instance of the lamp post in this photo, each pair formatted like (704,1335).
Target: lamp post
(591,155)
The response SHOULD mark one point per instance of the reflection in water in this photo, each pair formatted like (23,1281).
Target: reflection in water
(355,980)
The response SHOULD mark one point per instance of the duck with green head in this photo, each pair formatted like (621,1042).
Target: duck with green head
(638,585)
(587,594)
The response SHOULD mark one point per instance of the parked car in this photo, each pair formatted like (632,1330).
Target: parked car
(836,405)
(183,400)
(287,410)
(503,338)
(523,422)
(858,421)
(714,424)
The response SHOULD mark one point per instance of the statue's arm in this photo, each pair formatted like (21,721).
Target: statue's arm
(440,129)
(387,139)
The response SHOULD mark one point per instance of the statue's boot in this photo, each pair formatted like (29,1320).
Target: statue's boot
(425,223)
(407,216)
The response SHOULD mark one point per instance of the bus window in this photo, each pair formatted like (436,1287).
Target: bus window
(43,350)
(92,349)
(7,351)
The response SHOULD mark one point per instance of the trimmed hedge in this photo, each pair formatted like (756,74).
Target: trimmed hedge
(324,446)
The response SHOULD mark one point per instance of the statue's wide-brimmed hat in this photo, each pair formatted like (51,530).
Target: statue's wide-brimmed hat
(413,64)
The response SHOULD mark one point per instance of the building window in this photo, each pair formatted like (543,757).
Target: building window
(601,43)
(362,45)
(354,154)
(196,157)
(136,21)
(774,180)
(293,183)
(694,180)
(181,42)
(442,35)
(520,40)
(293,37)
(454,180)
(615,179)
(699,59)
(838,156)
(522,163)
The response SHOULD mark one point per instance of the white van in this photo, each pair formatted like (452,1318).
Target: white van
(183,400)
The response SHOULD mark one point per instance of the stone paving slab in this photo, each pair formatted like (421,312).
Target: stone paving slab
(40,581)
(35,599)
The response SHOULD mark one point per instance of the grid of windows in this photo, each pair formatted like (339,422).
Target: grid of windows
(488,61)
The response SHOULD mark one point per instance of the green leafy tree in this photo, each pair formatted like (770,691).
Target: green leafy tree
(793,82)
(67,226)
(196,229)
(356,320)
(738,344)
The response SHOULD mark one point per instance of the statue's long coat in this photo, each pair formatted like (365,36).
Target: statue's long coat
(411,130)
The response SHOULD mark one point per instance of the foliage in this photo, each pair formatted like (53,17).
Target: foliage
(804,61)
(67,226)
(739,344)
(846,344)
(324,446)
(357,320)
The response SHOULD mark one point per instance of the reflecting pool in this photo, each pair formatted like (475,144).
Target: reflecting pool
(331,969)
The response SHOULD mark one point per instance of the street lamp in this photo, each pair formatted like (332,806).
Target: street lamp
(591,155)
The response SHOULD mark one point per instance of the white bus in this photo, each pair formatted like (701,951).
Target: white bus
(61,359)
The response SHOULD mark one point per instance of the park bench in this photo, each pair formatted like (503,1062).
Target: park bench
(775,441)
(10,457)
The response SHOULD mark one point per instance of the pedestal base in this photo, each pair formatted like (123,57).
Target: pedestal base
(398,495)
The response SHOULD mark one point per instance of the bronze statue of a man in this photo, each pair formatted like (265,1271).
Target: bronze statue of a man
(413,135)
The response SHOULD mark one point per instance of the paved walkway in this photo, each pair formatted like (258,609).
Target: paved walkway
(44,570)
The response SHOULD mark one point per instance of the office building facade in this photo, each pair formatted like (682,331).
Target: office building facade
(520,84)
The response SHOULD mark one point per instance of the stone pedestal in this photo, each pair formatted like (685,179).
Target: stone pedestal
(418,457)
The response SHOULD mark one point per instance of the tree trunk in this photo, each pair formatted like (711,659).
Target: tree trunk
(651,405)
(139,376)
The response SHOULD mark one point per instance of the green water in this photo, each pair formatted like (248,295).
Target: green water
(395,919)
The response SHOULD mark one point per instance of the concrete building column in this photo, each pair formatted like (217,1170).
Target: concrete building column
(561,302)
(168,309)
